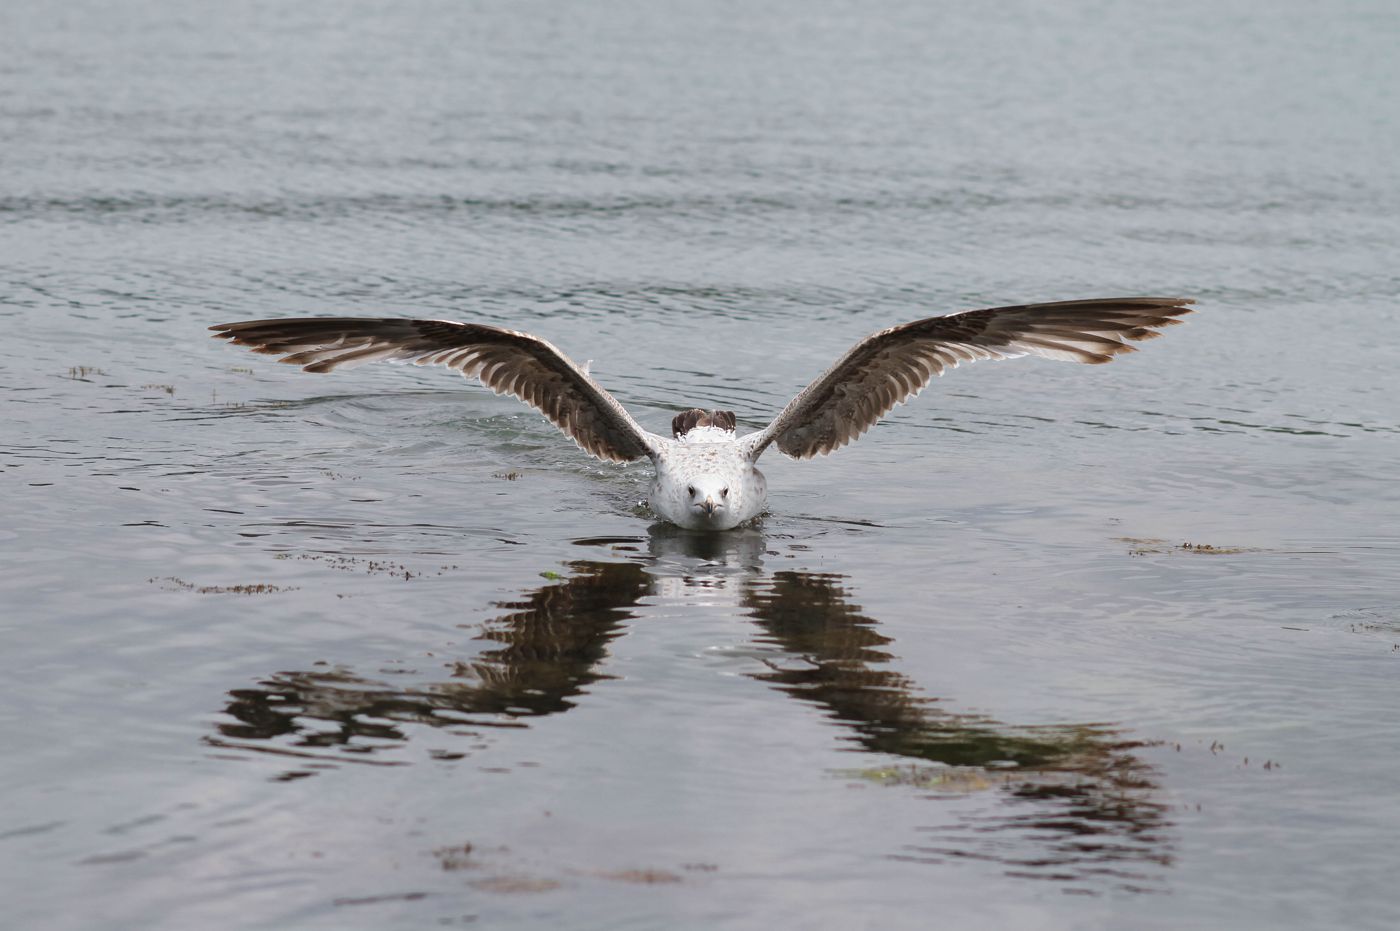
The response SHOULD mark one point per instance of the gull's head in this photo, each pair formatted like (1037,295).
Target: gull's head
(708,496)
(704,484)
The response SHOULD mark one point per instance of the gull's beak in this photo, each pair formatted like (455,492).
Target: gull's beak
(709,506)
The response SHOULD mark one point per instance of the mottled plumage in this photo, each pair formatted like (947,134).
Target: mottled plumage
(705,474)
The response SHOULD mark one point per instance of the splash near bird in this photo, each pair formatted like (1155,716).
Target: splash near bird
(706,477)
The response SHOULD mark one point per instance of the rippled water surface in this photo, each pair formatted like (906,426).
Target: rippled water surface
(1054,646)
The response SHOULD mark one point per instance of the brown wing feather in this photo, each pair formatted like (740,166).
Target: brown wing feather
(506,361)
(891,366)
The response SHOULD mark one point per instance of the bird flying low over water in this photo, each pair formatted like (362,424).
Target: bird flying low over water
(705,473)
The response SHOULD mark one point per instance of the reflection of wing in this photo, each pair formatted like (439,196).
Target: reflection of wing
(808,616)
(550,645)
(891,366)
(1103,815)
(506,361)
(552,642)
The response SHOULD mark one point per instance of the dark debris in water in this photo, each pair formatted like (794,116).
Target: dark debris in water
(1371,621)
(122,856)
(500,877)
(1151,546)
(457,857)
(515,884)
(959,780)
(368,566)
(376,899)
(642,877)
(173,584)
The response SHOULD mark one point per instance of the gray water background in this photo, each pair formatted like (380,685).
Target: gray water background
(965,673)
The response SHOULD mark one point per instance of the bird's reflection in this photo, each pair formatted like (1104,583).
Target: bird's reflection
(1097,811)
(1080,792)
(543,653)
(838,664)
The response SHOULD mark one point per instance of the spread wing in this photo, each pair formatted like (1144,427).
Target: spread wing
(506,361)
(891,366)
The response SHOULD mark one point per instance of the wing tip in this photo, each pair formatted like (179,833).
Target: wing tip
(1173,307)
(1150,301)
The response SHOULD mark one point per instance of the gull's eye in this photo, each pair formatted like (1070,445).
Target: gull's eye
(724,492)
(691,489)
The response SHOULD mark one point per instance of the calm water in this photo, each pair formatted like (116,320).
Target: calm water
(382,650)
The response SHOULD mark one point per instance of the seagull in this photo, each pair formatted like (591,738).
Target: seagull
(706,477)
